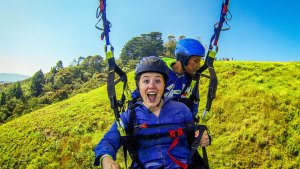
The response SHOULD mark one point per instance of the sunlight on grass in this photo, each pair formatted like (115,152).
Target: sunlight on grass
(254,122)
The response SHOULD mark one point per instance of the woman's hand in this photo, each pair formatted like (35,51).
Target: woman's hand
(108,163)
(204,140)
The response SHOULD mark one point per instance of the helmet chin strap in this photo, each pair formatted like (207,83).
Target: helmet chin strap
(185,72)
(183,69)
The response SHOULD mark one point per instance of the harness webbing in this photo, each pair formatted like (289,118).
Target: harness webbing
(175,134)
(211,55)
(118,106)
(196,143)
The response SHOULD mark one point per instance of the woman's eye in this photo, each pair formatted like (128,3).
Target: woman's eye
(157,81)
(146,81)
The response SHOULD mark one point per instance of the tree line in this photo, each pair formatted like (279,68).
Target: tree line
(43,89)
(82,75)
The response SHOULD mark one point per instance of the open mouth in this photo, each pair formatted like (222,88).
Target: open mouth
(151,96)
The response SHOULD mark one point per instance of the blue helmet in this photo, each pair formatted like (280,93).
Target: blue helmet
(186,48)
(151,64)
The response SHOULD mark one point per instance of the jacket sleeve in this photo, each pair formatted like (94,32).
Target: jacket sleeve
(188,118)
(111,142)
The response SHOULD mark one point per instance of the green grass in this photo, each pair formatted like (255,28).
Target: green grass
(255,117)
(254,122)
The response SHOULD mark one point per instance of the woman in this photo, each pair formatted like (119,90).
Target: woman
(160,125)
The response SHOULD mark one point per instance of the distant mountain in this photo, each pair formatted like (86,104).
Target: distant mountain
(11,77)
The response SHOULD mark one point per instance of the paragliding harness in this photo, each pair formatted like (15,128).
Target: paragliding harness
(119,106)
(189,129)
(211,55)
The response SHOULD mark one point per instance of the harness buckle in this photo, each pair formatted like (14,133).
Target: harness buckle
(180,132)
(176,133)
(143,125)
(172,133)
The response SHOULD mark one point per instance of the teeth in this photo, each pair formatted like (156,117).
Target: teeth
(152,93)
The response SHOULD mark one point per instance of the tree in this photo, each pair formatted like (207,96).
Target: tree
(97,63)
(37,83)
(53,70)
(170,46)
(59,65)
(15,91)
(11,104)
(142,46)
(2,98)
(93,64)
(18,90)
(4,114)
(79,60)
(59,95)
(153,44)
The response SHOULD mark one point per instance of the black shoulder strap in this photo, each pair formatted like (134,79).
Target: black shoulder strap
(128,141)
(196,143)
(132,120)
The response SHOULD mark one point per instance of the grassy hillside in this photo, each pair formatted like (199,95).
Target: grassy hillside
(254,123)
(255,119)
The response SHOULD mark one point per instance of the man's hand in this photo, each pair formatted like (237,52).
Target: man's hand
(204,140)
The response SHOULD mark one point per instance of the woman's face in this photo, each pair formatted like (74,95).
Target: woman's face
(151,86)
(193,65)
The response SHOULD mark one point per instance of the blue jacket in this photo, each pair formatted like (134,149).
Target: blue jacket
(177,88)
(153,153)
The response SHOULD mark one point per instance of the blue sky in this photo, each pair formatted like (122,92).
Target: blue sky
(36,34)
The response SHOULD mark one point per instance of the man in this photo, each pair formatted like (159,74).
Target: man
(189,53)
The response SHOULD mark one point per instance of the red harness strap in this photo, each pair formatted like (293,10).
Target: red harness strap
(176,134)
